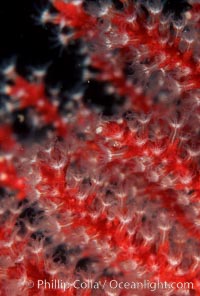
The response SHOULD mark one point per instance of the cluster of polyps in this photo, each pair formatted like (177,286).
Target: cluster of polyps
(151,74)
(114,198)
(159,49)
(103,197)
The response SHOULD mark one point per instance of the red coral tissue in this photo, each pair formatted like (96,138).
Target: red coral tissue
(102,194)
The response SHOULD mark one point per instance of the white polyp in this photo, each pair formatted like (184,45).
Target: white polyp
(3,176)
(140,142)
(176,124)
(189,38)
(153,177)
(144,119)
(193,153)
(186,179)
(98,10)
(167,182)
(131,18)
(178,26)
(99,130)
(148,238)
(197,222)
(124,219)
(155,7)
(188,15)
(45,16)
(174,261)
(125,39)
(183,200)
(77,2)
(21,92)
(157,151)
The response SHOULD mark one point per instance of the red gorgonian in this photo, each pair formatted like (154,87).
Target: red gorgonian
(99,178)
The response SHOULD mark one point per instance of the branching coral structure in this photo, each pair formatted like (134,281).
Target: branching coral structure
(100,177)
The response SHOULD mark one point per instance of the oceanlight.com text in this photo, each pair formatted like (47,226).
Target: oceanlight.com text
(112,285)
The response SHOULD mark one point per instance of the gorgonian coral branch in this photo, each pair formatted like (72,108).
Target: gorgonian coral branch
(99,197)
